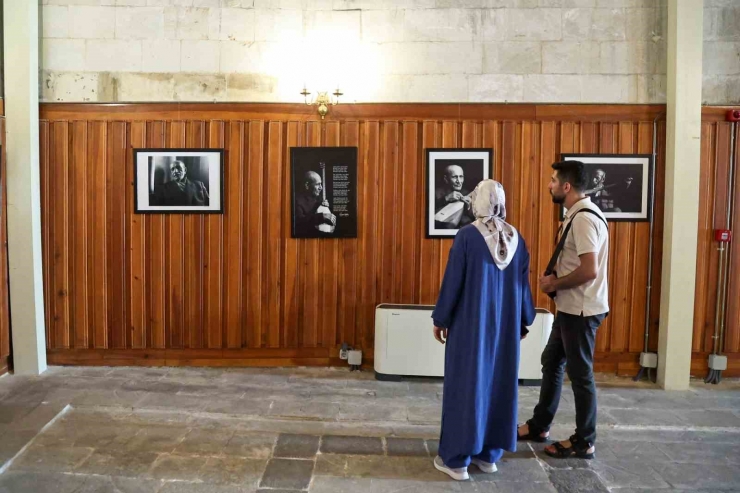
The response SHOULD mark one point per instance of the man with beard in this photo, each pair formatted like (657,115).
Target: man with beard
(581,300)
(307,215)
(180,190)
(452,192)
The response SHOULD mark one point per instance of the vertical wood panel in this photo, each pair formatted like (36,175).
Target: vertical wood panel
(368,180)
(47,226)
(348,285)
(254,257)
(330,265)
(213,267)
(388,215)
(59,176)
(732,324)
(429,251)
(138,250)
(308,333)
(194,234)
(4,295)
(98,221)
(78,226)
(155,244)
(235,188)
(407,258)
(117,234)
(276,197)
(293,274)
(175,262)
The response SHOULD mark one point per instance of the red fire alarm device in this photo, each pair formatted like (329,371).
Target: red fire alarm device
(723,235)
(733,116)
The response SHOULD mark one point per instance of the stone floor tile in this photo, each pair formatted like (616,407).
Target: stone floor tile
(232,470)
(296,446)
(701,453)
(150,386)
(187,487)
(157,439)
(516,487)
(177,467)
(331,465)
(369,485)
(516,470)
(12,443)
(255,445)
(108,398)
(406,447)
(27,482)
(351,445)
(425,414)
(630,473)
(160,400)
(236,406)
(709,417)
(51,459)
(371,412)
(380,467)
(204,441)
(288,474)
(113,484)
(10,413)
(700,476)
(644,417)
(576,481)
(433,447)
(118,463)
(305,409)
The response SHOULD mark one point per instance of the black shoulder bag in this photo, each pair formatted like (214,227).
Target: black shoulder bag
(558,249)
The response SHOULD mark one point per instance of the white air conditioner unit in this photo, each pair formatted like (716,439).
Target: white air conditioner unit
(405,344)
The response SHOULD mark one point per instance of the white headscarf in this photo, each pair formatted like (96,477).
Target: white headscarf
(489,207)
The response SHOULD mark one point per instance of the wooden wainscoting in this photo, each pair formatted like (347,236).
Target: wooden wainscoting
(4,288)
(716,142)
(237,290)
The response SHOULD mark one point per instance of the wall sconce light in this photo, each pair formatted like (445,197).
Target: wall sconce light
(322,100)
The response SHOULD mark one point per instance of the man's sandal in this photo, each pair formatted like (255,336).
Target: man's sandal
(531,436)
(578,447)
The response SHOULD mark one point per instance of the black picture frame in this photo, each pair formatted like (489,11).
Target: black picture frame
(339,189)
(476,163)
(204,165)
(627,181)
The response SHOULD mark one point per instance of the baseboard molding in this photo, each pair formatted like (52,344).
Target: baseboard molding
(201,357)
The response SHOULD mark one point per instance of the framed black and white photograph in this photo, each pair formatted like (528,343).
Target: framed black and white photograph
(323,192)
(179,181)
(619,184)
(452,174)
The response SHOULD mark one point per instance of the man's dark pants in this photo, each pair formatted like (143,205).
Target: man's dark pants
(572,339)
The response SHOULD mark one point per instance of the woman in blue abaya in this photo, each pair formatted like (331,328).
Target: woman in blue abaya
(483,309)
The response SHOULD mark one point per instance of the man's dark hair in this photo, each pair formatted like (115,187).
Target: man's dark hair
(573,172)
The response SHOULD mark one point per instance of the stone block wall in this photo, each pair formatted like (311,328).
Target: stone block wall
(561,51)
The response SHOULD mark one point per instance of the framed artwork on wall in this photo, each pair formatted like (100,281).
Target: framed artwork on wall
(452,174)
(619,184)
(178,181)
(323,192)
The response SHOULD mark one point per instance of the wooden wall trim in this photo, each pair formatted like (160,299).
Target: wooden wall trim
(348,111)
(713,114)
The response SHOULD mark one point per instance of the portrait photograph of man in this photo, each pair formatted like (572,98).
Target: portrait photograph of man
(178,180)
(452,174)
(324,192)
(619,184)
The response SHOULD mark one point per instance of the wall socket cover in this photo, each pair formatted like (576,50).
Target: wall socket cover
(355,357)
(343,354)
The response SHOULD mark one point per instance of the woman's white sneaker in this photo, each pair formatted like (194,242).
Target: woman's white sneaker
(484,466)
(458,474)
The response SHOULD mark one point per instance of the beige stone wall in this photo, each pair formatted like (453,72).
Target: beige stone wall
(606,51)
